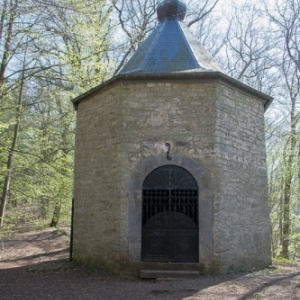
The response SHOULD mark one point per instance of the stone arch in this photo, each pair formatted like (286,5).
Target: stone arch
(205,207)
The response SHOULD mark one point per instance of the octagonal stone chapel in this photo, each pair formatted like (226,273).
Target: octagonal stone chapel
(170,163)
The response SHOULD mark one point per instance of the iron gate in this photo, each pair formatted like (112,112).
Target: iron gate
(170,216)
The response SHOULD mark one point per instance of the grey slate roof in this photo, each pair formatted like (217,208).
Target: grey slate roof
(170,48)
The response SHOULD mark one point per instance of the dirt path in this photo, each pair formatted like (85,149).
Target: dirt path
(29,248)
(34,265)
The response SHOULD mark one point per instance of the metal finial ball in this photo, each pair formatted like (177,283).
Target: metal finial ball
(171,9)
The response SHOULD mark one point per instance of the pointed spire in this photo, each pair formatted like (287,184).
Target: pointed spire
(171,9)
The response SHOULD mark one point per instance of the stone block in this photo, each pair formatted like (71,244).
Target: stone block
(157,274)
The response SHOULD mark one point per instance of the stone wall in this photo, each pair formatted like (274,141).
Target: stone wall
(242,211)
(97,205)
(182,114)
(217,127)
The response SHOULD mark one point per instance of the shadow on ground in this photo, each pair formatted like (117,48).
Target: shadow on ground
(35,266)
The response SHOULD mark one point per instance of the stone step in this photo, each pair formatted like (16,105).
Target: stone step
(155,274)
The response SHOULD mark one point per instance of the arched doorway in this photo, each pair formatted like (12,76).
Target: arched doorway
(170,226)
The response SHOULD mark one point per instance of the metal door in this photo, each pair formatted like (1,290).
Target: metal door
(170,216)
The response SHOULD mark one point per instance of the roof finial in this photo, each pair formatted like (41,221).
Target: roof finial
(171,9)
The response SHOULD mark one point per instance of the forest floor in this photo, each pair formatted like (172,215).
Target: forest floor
(34,265)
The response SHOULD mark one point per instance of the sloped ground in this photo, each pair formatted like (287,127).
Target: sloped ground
(34,265)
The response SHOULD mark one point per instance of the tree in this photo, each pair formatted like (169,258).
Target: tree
(285,16)
(67,53)
(249,53)
(9,13)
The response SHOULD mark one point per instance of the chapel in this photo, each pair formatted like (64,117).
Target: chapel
(170,163)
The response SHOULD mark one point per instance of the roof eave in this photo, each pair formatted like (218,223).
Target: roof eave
(180,75)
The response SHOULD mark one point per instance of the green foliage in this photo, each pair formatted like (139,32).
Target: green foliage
(64,53)
(282,260)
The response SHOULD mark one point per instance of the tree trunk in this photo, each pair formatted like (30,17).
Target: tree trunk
(5,191)
(288,182)
(286,220)
(9,169)
(56,215)
(8,38)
